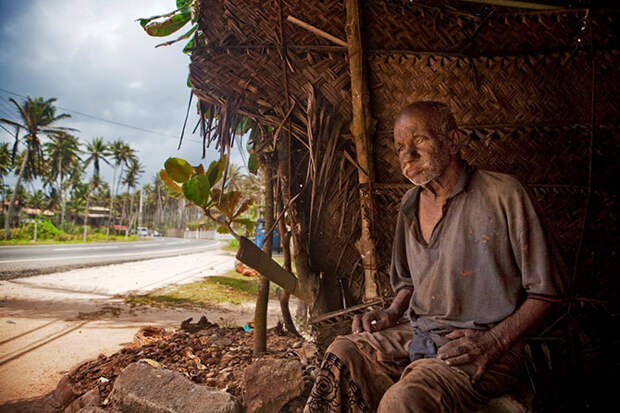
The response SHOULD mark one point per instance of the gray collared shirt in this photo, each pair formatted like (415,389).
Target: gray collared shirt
(486,253)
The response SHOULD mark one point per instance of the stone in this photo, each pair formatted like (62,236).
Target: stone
(141,388)
(91,409)
(64,393)
(269,384)
(88,399)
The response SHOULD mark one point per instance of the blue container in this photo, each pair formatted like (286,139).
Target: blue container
(276,241)
(259,233)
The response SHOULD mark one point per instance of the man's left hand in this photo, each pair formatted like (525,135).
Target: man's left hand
(476,347)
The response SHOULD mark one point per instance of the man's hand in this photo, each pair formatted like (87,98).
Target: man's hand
(476,347)
(374,320)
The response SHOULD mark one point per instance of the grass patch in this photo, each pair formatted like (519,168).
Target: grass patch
(231,287)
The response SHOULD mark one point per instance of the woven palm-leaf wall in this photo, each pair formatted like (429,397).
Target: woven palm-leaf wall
(521,85)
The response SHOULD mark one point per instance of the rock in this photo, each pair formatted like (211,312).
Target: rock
(91,409)
(306,352)
(222,342)
(271,383)
(141,388)
(89,399)
(64,393)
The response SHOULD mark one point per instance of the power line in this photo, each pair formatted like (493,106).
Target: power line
(125,125)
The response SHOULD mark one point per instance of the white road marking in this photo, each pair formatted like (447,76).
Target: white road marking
(131,254)
(85,248)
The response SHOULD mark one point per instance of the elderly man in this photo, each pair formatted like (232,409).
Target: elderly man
(471,269)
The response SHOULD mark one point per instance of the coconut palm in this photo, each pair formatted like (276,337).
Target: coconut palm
(5,161)
(62,151)
(122,153)
(97,152)
(38,116)
(134,170)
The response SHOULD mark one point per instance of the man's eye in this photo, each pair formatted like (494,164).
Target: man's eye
(419,139)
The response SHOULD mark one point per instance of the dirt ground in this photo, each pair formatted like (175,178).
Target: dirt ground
(49,324)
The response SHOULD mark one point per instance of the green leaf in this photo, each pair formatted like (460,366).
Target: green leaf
(197,190)
(191,191)
(253,164)
(178,169)
(181,37)
(248,223)
(170,183)
(181,4)
(222,230)
(216,170)
(168,26)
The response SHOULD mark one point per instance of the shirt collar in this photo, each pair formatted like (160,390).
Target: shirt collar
(409,206)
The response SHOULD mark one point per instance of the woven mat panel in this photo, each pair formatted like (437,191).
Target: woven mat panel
(213,74)
(597,274)
(256,22)
(407,26)
(608,90)
(532,89)
(541,155)
(388,200)
(606,153)
(327,72)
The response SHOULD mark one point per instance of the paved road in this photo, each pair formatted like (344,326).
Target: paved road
(24,260)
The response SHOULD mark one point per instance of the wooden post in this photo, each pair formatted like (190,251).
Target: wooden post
(362,129)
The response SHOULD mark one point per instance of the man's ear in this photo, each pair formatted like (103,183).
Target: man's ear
(454,141)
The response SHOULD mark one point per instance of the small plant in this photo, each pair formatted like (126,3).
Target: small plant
(45,230)
(198,187)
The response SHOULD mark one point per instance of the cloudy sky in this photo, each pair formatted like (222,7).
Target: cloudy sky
(104,70)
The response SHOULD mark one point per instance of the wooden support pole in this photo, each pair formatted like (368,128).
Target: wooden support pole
(362,129)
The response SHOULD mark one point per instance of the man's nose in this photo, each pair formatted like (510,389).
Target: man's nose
(409,153)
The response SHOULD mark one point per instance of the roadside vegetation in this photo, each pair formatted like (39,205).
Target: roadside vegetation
(231,287)
(59,178)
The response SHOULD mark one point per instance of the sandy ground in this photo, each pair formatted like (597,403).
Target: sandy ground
(50,323)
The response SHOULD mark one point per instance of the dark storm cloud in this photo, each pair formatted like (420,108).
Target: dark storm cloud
(95,59)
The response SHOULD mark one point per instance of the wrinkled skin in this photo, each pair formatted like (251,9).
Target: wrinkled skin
(476,347)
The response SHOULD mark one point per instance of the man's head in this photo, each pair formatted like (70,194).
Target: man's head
(426,140)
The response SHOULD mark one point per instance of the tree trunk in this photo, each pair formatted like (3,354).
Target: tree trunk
(158,214)
(86,213)
(283,295)
(60,191)
(129,219)
(262,299)
(107,231)
(9,212)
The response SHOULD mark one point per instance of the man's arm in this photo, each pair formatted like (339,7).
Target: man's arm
(376,320)
(482,348)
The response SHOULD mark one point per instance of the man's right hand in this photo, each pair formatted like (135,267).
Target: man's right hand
(374,320)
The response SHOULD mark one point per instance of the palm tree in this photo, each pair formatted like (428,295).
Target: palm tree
(122,154)
(5,160)
(37,117)
(97,152)
(62,151)
(134,171)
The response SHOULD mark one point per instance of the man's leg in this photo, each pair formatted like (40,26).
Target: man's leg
(430,385)
(357,369)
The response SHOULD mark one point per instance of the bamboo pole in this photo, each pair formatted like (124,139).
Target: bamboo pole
(316,31)
(362,128)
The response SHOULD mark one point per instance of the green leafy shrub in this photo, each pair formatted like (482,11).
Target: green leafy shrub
(45,230)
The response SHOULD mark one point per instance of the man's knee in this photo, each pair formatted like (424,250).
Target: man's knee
(410,397)
(342,348)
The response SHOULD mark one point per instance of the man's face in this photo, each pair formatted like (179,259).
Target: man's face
(423,154)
